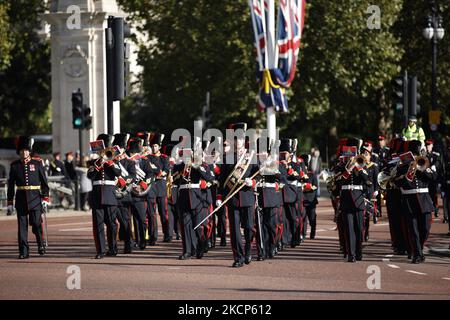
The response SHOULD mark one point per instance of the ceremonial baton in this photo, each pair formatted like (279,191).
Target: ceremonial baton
(226,200)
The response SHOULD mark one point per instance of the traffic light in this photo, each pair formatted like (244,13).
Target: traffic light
(77,109)
(414,96)
(400,93)
(87,118)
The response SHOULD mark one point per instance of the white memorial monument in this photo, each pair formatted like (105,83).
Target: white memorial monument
(77,34)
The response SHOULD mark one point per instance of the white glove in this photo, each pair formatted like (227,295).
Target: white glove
(248,182)
(218,203)
(10,209)
(375,194)
(45,202)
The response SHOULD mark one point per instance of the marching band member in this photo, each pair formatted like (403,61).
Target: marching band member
(310,199)
(172,189)
(417,203)
(158,194)
(290,170)
(371,191)
(446,189)
(193,177)
(27,185)
(382,153)
(352,206)
(303,178)
(128,174)
(145,172)
(241,208)
(104,203)
(436,165)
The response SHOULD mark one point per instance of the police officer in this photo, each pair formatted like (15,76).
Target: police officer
(104,203)
(158,194)
(354,180)
(241,208)
(414,183)
(193,177)
(27,184)
(128,174)
(413,131)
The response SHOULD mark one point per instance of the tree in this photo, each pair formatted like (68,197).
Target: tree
(25,78)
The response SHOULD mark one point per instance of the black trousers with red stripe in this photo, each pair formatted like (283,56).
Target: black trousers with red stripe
(33,218)
(354,230)
(419,225)
(124,217)
(222,222)
(291,230)
(139,211)
(271,230)
(241,216)
(311,217)
(167,221)
(101,216)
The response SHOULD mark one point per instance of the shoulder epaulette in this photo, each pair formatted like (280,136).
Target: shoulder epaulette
(436,153)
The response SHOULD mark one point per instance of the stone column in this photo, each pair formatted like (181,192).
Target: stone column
(78,61)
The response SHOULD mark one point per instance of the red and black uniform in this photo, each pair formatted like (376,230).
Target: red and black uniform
(191,205)
(310,202)
(241,211)
(158,200)
(352,207)
(418,206)
(104,204)
(27,184)
(371,196)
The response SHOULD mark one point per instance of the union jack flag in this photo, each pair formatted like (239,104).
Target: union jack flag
(277,64)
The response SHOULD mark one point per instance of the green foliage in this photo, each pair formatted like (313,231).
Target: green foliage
(25,81)
(5,41)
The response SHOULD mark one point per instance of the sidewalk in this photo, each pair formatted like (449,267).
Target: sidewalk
(52,213)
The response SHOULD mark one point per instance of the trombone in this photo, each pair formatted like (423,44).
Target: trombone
(420,163)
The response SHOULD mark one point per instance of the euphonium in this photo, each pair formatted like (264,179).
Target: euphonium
(108,153)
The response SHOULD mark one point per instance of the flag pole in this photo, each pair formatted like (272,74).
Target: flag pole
(272,48)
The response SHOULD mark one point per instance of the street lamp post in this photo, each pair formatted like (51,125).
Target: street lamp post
(434,32)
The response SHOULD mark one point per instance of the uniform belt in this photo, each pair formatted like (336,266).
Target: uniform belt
(28,187)
(352,187)
(190,186)
(160,178)
(294,183)
(268,184)
(414,191)
(104,183)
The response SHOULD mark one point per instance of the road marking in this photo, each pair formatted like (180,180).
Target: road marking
(173,268)
(75,229)
(445,278)
(321,237)
(385,260)
(381,224)
(416,272)
(389,255)
(69,224)
(393,266)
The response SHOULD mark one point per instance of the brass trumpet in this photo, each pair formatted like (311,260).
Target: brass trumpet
(359,160)
(108,153)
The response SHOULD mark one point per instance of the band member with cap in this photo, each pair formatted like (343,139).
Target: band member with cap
(352,204)
(145,173)
(124,200)
(172,188)
(310,199)
(381,152)
(416,200)
(103,174)
(392,194)
(270,199)
(193,178)
(27,185)
(291,172)
(158,193)
(436,165)
(371,191)
(446,188)
(241,207)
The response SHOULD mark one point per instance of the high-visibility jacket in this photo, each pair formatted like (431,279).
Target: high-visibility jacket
(414,133)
